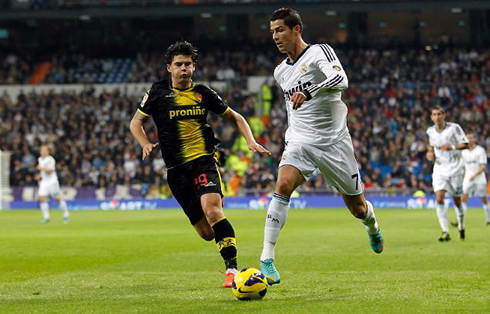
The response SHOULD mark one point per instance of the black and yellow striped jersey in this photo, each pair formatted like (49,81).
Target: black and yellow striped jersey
(181,120)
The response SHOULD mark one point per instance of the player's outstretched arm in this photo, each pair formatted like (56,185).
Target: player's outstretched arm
(242,125)
(136,127)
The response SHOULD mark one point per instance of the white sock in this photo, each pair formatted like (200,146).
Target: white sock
(442,216)
(45,210)
(486,209)
(461,214)
(275,220)
(369,220)
(66,213)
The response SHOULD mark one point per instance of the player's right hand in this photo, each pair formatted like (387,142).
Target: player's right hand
(147,149)
(298,99)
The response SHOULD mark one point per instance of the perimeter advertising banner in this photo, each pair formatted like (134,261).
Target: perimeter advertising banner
(130,198)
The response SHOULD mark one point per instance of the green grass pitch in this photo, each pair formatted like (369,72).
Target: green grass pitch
(154,262)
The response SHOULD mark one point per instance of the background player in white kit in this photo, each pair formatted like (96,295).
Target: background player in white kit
(446,141)
(49,185)
(475,181)
(317,137)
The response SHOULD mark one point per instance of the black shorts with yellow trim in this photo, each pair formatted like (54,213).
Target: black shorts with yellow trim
(189,181)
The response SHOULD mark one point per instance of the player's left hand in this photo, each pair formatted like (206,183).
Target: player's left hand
(298,99)
(256,147)
(38,167)
(446,147)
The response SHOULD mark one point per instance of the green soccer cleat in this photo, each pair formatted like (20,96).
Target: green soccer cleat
(377,242)
(269,270)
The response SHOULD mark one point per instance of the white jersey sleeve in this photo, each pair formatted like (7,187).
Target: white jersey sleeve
(336,78)
(460,135)
(482,156)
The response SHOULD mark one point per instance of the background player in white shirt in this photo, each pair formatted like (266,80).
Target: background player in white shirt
(49,185)
(446,140)
(475,181)
(317,137)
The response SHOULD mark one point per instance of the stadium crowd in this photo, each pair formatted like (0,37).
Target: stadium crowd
(390,94)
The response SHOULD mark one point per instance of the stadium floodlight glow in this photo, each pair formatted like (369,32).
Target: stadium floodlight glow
(330,13)
(428,48)
(84,17)
(456,10)
(206,15)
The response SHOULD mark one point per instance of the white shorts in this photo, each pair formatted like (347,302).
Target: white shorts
(336,162)
(49,189)
(453,185)
(474,189)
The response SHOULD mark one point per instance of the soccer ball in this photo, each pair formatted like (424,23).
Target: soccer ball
(249,284)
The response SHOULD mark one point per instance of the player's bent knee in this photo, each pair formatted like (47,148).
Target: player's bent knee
(213,213)
(358,210)
(284,188)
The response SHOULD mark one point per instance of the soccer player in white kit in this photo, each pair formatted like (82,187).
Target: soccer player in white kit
(475,181)
(49,185)
(446,141)
(317,137)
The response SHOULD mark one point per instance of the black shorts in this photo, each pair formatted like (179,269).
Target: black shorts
(191,180)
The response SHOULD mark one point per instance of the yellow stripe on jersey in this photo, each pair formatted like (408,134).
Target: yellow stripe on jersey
(193,145)
(190,133)
(147,115)
(227,109)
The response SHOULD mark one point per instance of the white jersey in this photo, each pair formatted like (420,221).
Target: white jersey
(321,119)
(472,160)
(50,163)
(447,163)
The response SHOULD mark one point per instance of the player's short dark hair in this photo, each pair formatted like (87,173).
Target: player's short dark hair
(437,108)
(182,48)
(290,16)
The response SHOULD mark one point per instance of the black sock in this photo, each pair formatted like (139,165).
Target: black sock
(226,242)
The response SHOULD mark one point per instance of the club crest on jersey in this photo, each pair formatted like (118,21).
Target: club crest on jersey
(336,68)
(198,97)
(171,95)
(303,68)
